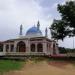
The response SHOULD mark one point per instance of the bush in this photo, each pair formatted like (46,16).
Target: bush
(62,50)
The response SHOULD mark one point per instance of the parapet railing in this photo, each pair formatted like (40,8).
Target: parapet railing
(24,53)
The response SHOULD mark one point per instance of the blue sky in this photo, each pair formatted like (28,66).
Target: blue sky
(13,13)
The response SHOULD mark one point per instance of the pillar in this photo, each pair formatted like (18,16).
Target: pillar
(45,47)
(15,46)
(57,50)
(36,47)
(4,47)
(9,47)
(51,48)
(27,43)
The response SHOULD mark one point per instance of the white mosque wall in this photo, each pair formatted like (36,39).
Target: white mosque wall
(47,50)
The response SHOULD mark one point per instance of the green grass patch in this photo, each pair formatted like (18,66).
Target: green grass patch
(9,65)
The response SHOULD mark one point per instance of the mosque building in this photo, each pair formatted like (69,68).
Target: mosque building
(33,43)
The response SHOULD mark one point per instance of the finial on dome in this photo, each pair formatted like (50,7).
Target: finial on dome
(46,32)
(21,27)
(38,25)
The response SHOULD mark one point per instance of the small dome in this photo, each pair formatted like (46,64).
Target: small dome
(34,31)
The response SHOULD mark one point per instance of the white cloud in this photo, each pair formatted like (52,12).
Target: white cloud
(68,42)
(26,12)
(16,12)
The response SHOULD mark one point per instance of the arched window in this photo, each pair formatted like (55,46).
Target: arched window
(32,47)
(39,47)
(12,48)
(1,47)
(7,48)
(21,47)
(54,50)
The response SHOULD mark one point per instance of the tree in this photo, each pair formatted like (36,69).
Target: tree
(59,29)
(68,13)
(65,26)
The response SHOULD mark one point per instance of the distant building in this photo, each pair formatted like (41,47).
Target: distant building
(33,43)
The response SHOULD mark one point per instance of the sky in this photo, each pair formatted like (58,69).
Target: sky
(13,13)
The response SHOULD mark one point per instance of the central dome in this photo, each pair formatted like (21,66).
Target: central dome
(34,31)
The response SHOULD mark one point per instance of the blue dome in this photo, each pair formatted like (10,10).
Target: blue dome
(34,31)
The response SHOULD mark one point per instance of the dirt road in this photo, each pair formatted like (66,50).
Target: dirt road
(45,68)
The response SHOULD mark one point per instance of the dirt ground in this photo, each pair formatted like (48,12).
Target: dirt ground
(45,68)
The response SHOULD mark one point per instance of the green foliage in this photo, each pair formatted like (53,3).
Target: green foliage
(59,30)
(66,25)
(66,50)
(68,13)
(70,50)
(62,50)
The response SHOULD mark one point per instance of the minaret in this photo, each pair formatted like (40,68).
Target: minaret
(38,25)
(46,32)
(21,30)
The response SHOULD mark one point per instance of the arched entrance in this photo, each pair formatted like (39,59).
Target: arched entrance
(7,48)
(39,47)
(54,50)
(21,47)
(32,47)
(1,47)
